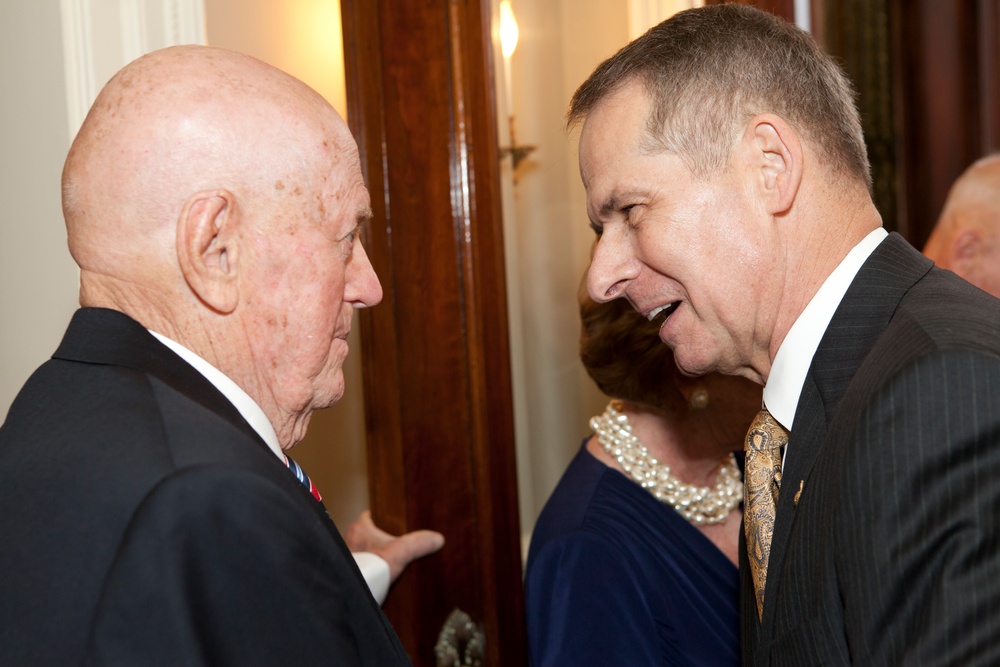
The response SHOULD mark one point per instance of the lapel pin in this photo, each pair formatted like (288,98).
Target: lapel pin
(798,494)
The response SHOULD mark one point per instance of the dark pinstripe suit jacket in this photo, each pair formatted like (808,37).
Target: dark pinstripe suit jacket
(891,556)
(143,522)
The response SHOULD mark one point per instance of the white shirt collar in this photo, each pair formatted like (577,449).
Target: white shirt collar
(246,406)
(794,356)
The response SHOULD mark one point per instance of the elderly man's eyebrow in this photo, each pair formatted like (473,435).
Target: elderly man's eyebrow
(364,217)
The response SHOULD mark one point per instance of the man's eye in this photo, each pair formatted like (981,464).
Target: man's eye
(632,215)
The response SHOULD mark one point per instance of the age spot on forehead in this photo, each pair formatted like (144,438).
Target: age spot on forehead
(279,185)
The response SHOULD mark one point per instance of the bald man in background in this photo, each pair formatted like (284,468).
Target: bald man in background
(148,511)
(966,238)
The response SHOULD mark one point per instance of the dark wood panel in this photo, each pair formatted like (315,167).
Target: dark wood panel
(988,20)
(858,33)
(942,95)
(939,119)
(436,366)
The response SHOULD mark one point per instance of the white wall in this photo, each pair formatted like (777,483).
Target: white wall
(547,236)
(547,233)
(54,57)
(38,280)
(301,37)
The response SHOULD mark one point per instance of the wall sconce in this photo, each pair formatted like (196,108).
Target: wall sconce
(508,42)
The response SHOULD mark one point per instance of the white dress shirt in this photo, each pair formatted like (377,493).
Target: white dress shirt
(794,356)
(374,569)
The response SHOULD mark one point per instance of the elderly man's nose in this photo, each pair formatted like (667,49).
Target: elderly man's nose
(363,288)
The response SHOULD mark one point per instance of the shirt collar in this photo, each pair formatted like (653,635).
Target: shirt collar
(794,356)
(246,406)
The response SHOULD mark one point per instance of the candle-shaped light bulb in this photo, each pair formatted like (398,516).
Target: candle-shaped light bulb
(508,30)
(508,42)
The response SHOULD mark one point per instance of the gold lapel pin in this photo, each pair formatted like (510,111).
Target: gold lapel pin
(798,494)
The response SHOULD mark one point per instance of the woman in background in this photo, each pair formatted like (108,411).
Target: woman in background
(633,559)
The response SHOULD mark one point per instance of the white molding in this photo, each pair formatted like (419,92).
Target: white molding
(133,28)
(101,36)
(184,22)
(78,61)
(803,14)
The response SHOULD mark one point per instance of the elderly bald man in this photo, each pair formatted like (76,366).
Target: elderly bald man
(149,512)
(966,238)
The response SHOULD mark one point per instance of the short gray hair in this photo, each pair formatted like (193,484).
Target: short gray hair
(709,70)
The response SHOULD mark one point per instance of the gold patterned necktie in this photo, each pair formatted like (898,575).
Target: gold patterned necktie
(762,479)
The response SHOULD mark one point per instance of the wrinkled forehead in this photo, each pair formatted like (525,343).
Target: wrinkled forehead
(337,150)
(329,173)
(613,133)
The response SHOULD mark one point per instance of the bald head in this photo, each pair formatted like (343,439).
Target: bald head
(217,201)
(172,123)
(966,238)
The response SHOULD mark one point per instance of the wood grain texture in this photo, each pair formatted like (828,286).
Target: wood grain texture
(436,365)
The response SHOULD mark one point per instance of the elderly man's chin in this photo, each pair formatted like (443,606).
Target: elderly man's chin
(328,385)
(331,390)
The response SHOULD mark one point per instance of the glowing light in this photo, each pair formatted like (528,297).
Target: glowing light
(508,29)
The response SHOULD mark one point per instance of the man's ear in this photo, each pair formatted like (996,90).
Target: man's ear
(775,161)
(965,250)
(207,248)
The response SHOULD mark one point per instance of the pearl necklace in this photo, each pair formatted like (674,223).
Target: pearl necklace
(701,505)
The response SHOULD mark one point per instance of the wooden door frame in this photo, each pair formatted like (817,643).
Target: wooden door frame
(945,60)
(437,385)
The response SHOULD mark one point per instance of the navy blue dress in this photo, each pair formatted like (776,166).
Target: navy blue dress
(616,577)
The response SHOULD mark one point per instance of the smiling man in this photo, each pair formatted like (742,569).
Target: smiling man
(148,512)
(728,182)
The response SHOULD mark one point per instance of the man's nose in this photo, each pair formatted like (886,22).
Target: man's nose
(363,287)
(612,267)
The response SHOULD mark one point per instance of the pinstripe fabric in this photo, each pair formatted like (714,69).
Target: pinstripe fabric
(891,555)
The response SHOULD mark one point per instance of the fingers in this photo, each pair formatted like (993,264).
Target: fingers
(401,551)
(398,552)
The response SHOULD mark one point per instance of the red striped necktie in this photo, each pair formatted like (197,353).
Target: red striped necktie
(302,477)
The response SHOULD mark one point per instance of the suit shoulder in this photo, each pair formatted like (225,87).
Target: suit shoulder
(950,313)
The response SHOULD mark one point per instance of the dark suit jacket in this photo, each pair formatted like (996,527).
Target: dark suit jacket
(143,522)
(892,554)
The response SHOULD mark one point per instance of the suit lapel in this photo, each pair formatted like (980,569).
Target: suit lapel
(108,337)
(862,316)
